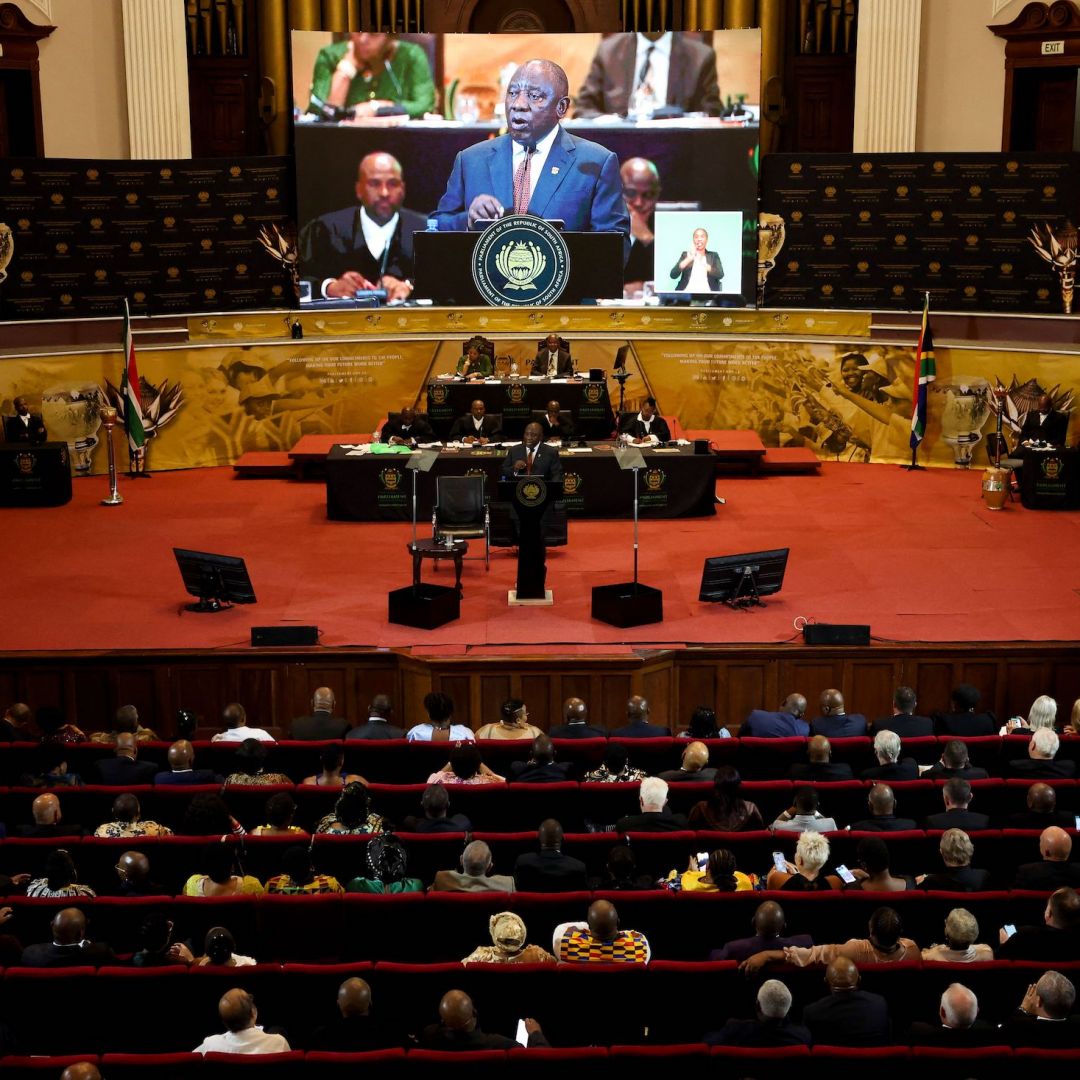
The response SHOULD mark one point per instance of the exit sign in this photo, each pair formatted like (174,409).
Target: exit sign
(1053,48)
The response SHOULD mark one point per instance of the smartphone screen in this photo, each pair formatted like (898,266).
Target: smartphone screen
(1078,821)
(521,1035)
(1010,929)
(845,874)
(779,861)
(702,859)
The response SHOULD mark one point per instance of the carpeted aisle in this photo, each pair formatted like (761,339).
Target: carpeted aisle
(916,556)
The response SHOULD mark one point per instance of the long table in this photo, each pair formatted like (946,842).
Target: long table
(515,400)
(377,487)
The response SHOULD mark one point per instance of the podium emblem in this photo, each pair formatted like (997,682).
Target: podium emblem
(391,479)
(25,463)
(519,260)
(593,392)
(654,479)
(572,483)
(531,491)
(1051,468)
(437,394)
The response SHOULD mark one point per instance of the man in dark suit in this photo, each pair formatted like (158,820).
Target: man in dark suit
(694,768)
(638,725)
(1054,870)
(769,924)
(552,360)
(69,947)
(1042,811)
(1045,1018)
(834,722)
(182,769)
(819,765)
(541,768)
(378,726)
(571,179)
(354,1030)
(406,429)
(698,270)
(772,1026)
(322,723)
(641,190)
(957,796)
(959,875)
(1045,424)
(882,803)
(575,723)
(24,426)
(783,724)
(458,1029)
(1058,938)
(959,1024)
(887,751)
(369,246)
(655,815)
(123,770)
(676,70)
(903,720)
(435,802)
(47,820)
(16,724)
(648,427)
(964,721)
(848,1016)
(476,426)
(549,870)
(555,424)
(1042,748)
(532,457)
(955,763)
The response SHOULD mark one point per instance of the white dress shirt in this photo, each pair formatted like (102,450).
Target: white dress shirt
(377,237)
(659,63)
(239,734)
(699,276)
(252,1040)
(536,165)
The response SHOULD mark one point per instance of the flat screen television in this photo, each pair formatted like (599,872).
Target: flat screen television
(741,580)
(219,581)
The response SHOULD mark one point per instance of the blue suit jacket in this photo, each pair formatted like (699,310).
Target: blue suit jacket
(580,184)
(773,725)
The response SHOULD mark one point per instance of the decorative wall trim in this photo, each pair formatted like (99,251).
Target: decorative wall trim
(887,76)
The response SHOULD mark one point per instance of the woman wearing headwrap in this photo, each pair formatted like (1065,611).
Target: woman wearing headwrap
(508,944)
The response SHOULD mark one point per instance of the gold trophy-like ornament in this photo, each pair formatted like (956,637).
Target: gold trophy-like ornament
(282,248)
(1058,248)
(7,249)
(108,422)
(770,241)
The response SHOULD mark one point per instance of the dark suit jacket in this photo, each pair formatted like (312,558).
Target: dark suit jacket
(47,832)
(692,84)
(884,823)
(639,267)
(641,731)
(1040,942)
(436,1037)
(580,184)
(450,823)
(979,1034)
(851,1018)
(375,729)
(564,366)
(353,1035)
(123,772)
(189,779)
(967,820)
(759,1033)
(679,776)
(904,769)
(906,725)
(419,429)
(334,243)
(1039,769)
(527,772)
(822,771)
(845,726)
(761,724)
(546,463)
(319,726)
(632,426)
(664,821)
(1047,876)
(16,431)
(1054,429)
(1029,819)
(564,429)
(937,771)
(48,955)
(490,428)
(577,731)
(1020,1029)
(961,879)
(965,725)
(743,948)
(714,271)
(548,872)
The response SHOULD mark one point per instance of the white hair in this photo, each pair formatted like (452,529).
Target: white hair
(653,793)
(1045,740)
(887,745)
(959,1006)
(961,928)
(812,850)
(774,999)
(1043,712)
(956,848)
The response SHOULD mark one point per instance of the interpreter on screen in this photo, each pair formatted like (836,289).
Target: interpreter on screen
(698,270)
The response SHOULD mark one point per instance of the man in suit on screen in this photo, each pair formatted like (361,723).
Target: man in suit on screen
(537,167)
(533,457)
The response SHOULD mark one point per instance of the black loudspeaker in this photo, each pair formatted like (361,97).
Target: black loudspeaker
(425,606)
(836,634)
(284,635)
(627,604)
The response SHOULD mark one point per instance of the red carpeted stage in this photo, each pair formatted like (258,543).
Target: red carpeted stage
(917,556)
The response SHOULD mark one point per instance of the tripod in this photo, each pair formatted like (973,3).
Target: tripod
(746,593)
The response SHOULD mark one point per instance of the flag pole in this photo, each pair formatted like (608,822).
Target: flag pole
(918,393)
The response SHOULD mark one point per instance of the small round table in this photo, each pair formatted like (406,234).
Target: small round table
(435,550)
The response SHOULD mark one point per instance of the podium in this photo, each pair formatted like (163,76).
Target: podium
(35,474)
(529,498)
(443,268)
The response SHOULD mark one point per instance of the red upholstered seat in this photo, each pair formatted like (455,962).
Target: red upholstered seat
(943,1054)
(860,1054)
(16,1067)
(1032,1053)
(161,1066)
(673,1050)
(272,1065)
(321,1064)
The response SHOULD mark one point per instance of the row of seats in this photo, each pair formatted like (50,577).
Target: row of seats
(174,859)
(417,927)
(565,999)
(510,807)
(397,761)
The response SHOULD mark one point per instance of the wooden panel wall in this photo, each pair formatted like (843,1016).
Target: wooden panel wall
(276,685)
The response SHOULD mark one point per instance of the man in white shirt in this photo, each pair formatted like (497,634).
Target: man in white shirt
(236,729)
(238,1013)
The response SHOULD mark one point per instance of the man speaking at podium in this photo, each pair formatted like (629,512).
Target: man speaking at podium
(533,457)
(537,167)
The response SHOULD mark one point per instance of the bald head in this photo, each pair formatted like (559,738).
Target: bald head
(456,1011)
(133,866)
(237,1010)
(380,186)
(126,808)
(18,715)
(818,749)
(323,700)
(81,1070)
(842,975)
(832,701)
(795,704)
(575,711)
(1042,798)
(68,926)
(381,705)
(46,810)
(959,1007)
(354,998)
(543,752)
(476,859)
(637,709)
(1055,845)
(603,920)
(695,757)
(881,800)
(769,919)
(126,746)
(234,714)
(641,185)
(181,755)
(550,835)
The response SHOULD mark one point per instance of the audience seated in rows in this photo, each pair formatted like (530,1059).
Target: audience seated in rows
(638,725)
(786,722)
(127,821)
(716,873)
(435,803)
(724,810)
(182,768)
(599,940)
(322,723)
(873,873)
(242,1034)
(280,812)
(769,924)
(1054,869)
(957,796)
(835,722)
(299,877)
(694,767)
(655,815)
(1042,749)
(803,815)
(963,720)
(250,764)
(219,875)
(378,726)
(703,725)
(440,726)
(819,766)
(1057,938)
(541,767)
(352,814)
(961,945)
(548,869)
(508,944)
(465,767)
(881,801)
(475,874)
(959,875)
(48,824)
(905,722)
(332,760)
(887,746)
(954,763)
(234,716)
(805,874)
(513,723)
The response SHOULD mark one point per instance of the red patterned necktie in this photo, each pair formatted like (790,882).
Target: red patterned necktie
(529,462)
(522,182)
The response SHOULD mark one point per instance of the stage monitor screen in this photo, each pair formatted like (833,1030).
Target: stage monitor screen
(734,577)
(649,139)
(217,580)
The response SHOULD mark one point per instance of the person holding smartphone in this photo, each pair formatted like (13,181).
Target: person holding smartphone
(805,874)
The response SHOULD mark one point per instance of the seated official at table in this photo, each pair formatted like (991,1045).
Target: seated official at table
(369,246)
(1045,424)
(365,73)
(475,364)
(406,429)
(24,426)
(552,360)
(647,428)
(671,69)
(476,426)
(531,457)
(555,423)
